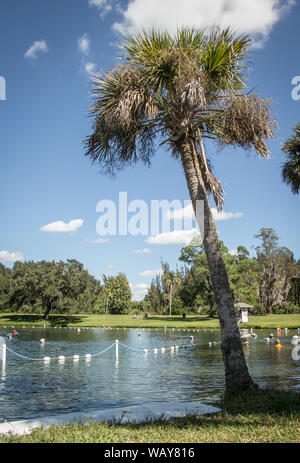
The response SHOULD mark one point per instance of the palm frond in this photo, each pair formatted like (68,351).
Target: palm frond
(225,59)
(247,122)
(291,168)
(177,85)
(124,120)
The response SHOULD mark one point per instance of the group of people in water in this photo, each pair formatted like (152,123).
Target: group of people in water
(244,337)
(15,333)
(270,339)
(10,335)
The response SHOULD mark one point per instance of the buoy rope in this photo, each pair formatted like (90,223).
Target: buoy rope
(158,348)
(57,358)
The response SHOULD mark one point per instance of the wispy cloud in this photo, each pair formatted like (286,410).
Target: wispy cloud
(98,3)
(62,227)
(90,68)
(104,6)
(151,273)
(39,46)
(233,252)
(187,213)
(109,267)
(83,44)
(254,17)
(98,240)
(139,291)
(223,215)
(6,256)
(142,251)
(174,237)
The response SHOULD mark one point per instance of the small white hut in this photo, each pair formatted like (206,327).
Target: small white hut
(243,311)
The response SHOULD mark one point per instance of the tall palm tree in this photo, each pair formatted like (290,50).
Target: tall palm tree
(181,89)
(172,281)
(291,168)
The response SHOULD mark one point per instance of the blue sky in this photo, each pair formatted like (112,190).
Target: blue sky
(48,49)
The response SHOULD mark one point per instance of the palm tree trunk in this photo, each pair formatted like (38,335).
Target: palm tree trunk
(236,370)
(170,302)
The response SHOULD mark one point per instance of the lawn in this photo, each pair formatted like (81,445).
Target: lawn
(257,417)
(291,321)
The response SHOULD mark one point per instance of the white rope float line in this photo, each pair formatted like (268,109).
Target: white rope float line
(60,357)
(155,350)
(88,357)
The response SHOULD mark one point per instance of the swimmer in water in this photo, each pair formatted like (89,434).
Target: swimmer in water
(278,345)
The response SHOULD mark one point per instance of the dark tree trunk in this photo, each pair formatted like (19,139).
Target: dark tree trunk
(236,370)
(48,309)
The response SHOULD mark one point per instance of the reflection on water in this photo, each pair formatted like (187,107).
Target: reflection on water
(30,388)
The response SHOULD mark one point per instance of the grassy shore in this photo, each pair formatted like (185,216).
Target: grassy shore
(256,417)
(291,321)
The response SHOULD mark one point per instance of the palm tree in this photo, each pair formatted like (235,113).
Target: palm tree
(182,89)
(291,168)
(171,281)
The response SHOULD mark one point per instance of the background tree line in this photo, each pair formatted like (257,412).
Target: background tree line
(270,281)
(61,287)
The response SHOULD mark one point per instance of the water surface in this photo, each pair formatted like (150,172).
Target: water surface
(32,388)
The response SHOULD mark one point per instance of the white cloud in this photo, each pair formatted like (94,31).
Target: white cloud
(89,67)
(6,256)
(98,240)
(39,46)
(105,6)
(60,226)
(187,213)
(225,215)
(151,273)
(98,3)
(254,17)
(186,235)
(141,286)
(174,237)
(139,291)
(233,252)
(109,267)
(84,44)
(142,251)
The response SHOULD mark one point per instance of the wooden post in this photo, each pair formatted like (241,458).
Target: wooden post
(117,351)
(3,358)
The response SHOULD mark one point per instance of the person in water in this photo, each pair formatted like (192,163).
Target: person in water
(278,345)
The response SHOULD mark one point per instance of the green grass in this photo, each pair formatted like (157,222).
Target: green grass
(155,321)
(256,417)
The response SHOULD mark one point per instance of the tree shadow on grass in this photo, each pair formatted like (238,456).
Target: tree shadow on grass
(54,320)
(179,318)
(262,401)
(240,409)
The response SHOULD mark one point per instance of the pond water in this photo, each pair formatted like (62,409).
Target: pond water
(32,388)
